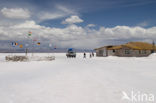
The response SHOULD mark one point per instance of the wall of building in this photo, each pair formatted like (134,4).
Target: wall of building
(123,52)
(111,52)
(98,52)
(101,52)
(127,52)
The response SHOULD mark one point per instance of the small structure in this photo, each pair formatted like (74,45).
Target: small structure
(131,49)
(16,58)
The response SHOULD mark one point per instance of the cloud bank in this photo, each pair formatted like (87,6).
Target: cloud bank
(16,13)
(72,35)
(76,36)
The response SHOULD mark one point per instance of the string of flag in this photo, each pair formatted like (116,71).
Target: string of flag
(15,44)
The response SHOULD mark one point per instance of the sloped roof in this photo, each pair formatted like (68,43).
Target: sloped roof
(100,48)
(109,46)
(142,45)
(133,45)
(116,47)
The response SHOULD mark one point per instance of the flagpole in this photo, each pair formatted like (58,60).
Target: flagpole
(30,34)
(32,47)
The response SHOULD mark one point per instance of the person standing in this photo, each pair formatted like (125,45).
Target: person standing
(90,55)
(84,55)
(93,54)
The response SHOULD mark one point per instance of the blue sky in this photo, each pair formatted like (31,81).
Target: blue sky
(107,13)
(110,13)
(73,23)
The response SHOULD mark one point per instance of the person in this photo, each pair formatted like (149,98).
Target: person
(84,55)
(90,55)
(93,54)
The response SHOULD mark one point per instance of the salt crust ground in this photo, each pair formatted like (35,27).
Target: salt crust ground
(90,80)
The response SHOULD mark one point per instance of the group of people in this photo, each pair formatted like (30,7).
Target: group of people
(90,55)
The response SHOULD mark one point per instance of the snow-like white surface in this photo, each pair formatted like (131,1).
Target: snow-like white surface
(90,80)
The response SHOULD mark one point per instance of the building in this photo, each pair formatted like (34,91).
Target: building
(131,49)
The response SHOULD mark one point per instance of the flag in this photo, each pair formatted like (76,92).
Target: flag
(16,43)
(30,33)
(21,46)
(13,44)
(38,43)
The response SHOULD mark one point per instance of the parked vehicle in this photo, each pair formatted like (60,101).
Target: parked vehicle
(71,53)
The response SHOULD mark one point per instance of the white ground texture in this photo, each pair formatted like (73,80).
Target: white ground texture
(90,80)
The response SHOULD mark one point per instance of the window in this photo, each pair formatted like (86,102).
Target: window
(143,51)
(127,51)
(152,51)
(113,50)
(101,52)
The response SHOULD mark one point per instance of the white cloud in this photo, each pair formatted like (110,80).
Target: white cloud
(58,12)
(91,25)
(48,16)
(27,24)
(72,19)
(77,36)
(16,13)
